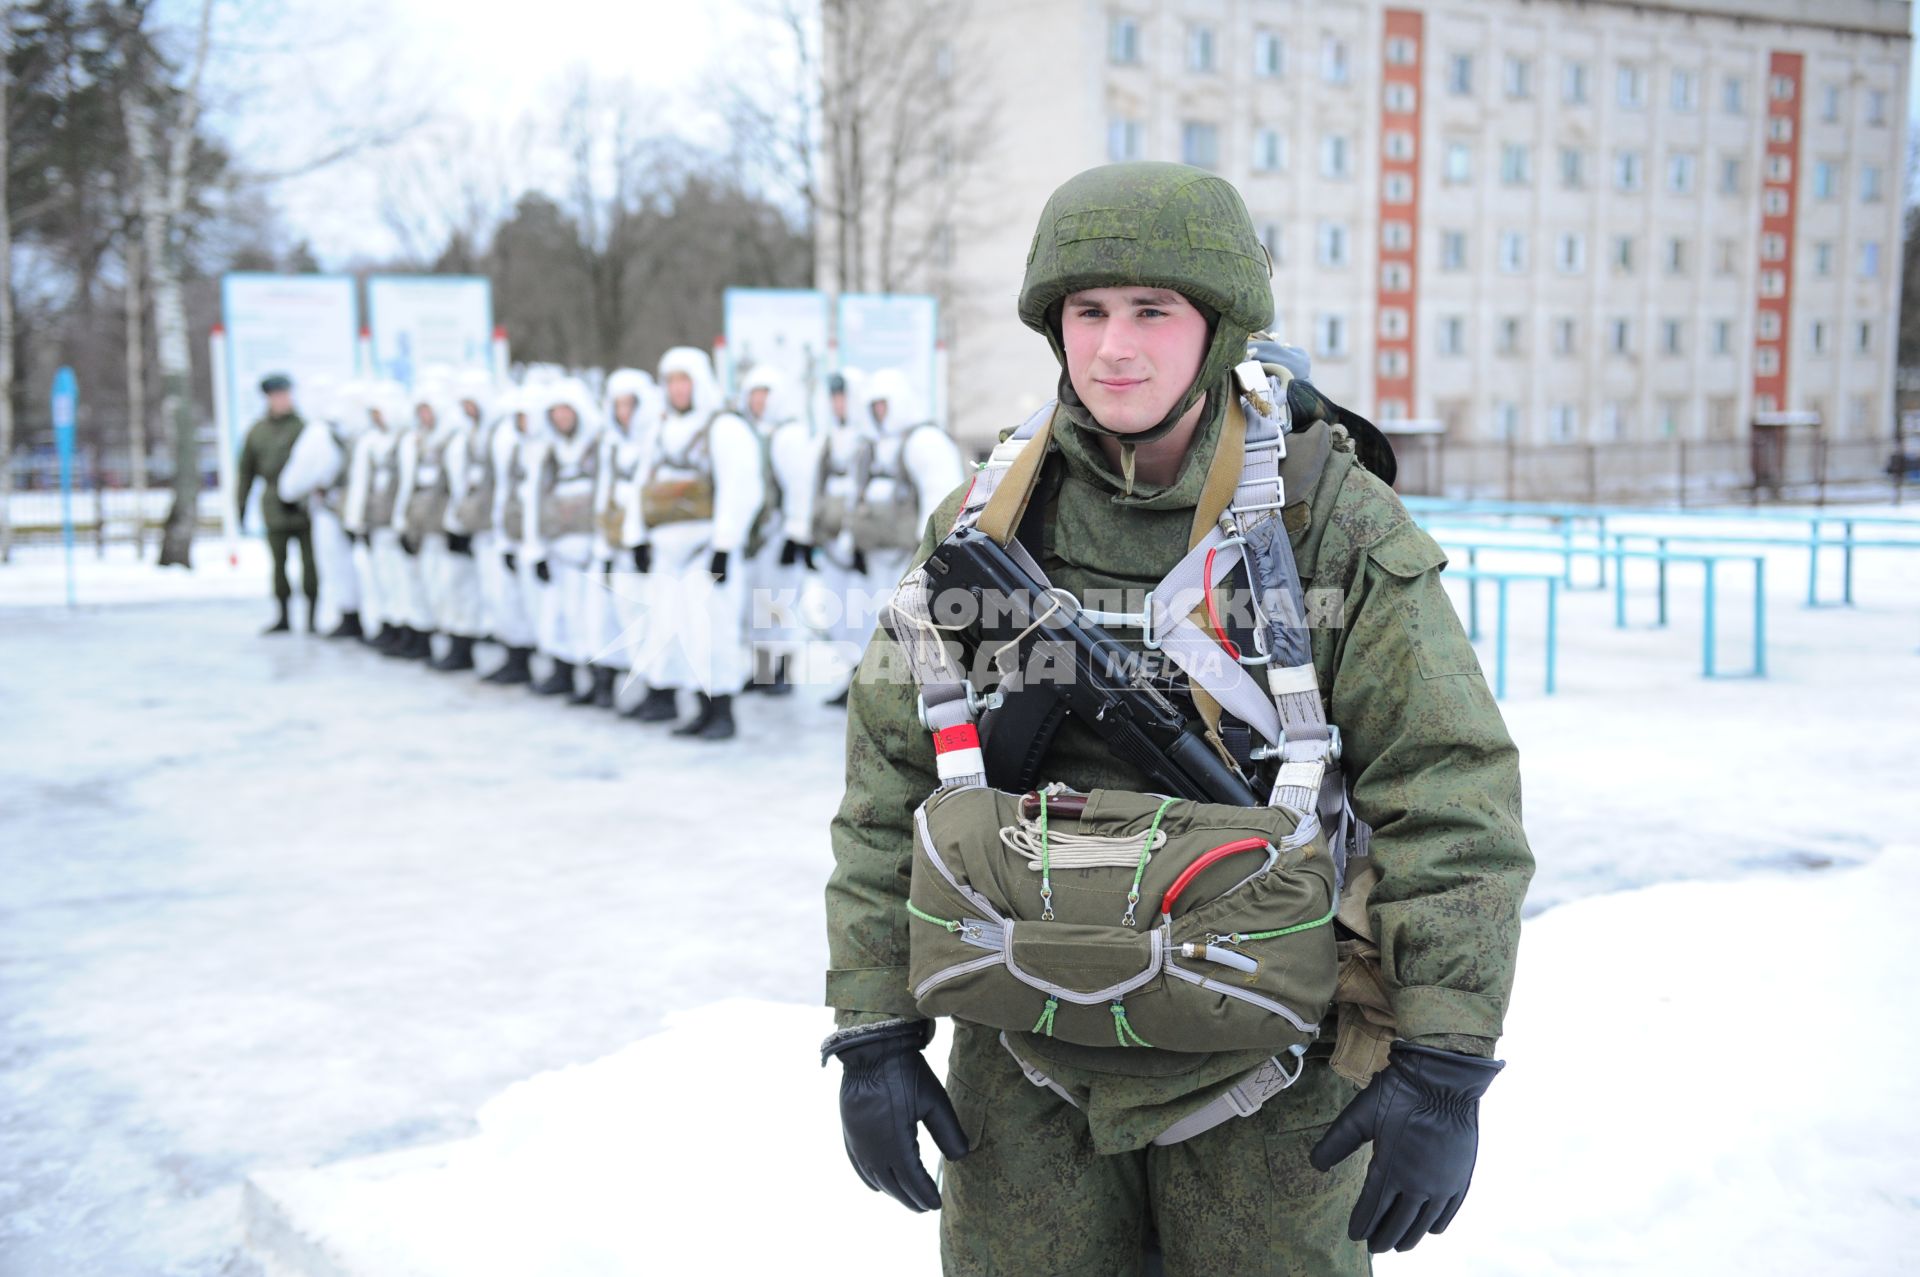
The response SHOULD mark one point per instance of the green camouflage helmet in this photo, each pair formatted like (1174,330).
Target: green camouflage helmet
(1161,226)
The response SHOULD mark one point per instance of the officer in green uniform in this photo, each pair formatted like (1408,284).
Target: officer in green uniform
(1147,280)
(264,454)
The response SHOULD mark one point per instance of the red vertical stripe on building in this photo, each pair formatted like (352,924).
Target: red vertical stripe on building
(1402,54)
(1779,202)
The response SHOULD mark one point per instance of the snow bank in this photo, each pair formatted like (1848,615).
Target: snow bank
(1752,1111)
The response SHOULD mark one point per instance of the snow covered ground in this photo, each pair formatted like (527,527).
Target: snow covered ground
(275,904)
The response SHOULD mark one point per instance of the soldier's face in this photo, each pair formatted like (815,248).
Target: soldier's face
(1131,352)
(680,391)
(623,406)
(879,410)
(839,401)
(563,418)
(280,403)
(423,413)
(757,402)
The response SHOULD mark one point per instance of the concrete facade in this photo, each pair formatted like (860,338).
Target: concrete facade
(1541,219)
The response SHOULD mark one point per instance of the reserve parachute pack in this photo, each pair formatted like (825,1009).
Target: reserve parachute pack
(1196,920)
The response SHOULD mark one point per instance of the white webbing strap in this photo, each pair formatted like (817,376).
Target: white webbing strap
(946,700)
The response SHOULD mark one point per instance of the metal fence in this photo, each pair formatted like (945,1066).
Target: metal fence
(106,508)
(1800,468)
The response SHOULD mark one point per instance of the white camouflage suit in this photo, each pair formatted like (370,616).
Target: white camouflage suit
(373,485)
(511,593)
(430,489)
(316,473)
(558,528)
(696,628)
(792,458)
(617,612)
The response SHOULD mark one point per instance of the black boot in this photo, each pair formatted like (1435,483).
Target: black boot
(558,683)
(459,656)
(656,707)
(349,627)
(601,685)
(280,626)
(780,686)
(422,646)
(402,641)
(513,670)
(313,613)
(713,722)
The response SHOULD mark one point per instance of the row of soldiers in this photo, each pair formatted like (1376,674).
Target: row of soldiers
(653,537)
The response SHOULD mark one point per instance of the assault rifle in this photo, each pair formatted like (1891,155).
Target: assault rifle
(1090,674)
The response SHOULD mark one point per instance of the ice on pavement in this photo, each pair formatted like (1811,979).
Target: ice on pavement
(275,904)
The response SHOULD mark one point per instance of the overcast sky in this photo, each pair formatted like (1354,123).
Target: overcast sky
(471,66)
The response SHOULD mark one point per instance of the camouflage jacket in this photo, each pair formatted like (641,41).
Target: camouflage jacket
(263,455)
(1432,767)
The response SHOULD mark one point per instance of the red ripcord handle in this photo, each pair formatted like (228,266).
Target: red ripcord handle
(1213,857)
(1213,613)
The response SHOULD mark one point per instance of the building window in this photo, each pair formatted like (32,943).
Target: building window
(1729,175)
(1460,74)
(1200,49)
(1676,256)
(1519,77)
(1766,362)
(1393,365)
(1615,416)
(1506,335)
(1723,336)
(1399,98)
(1200,145)
(1513,252)
(1822,254)
(1334,68)
(1773,246)
(1330,335)
(1817,336)
(1396,235)
(1401,51)
(1870,260)
(1269,54)
(1630,86)
(1863,338)
(1393,322)
(1506,420)
(1453,250)
(1767,327)
(1397,189)
(1398,144)
(1780,88)
(1826,179)
(1733,95)
(1123,40)
(1726,257)
(1570,253)
(1565,332)
(1563,422)
(1671,412)
(1779,168)
(1773,283)
(1670,337)
(1459,164)
(1274,242)
(1335,156)
(1780,128)
(1269,151)
(1332,242)
(1627,170)
(1126,140)
(1773,202)
(1396,277)
(1876,107)
(1680,173)
(1623,253)
(1684,91)
(1573,83)
(1620,336)
(1516,165)
(1453,335)
(1829,104)
(1573,168)
(1869,184)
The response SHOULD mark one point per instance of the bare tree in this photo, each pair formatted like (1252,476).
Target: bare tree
(134,297)
(6,292)
(160,184)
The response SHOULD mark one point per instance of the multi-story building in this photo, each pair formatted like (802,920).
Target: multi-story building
(1544,220)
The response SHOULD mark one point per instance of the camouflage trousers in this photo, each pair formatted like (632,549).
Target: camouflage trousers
(1034,1198)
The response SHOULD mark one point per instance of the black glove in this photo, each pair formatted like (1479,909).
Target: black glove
(511,560)
(1422,1113)
(410,543)
(459,543)
(794,551)
(606,568)
(886,1091)
(717,566)
(542,571)
(859,560)
(643,558)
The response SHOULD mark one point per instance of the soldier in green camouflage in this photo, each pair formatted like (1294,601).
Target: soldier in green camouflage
(263,455)
(1147,280)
